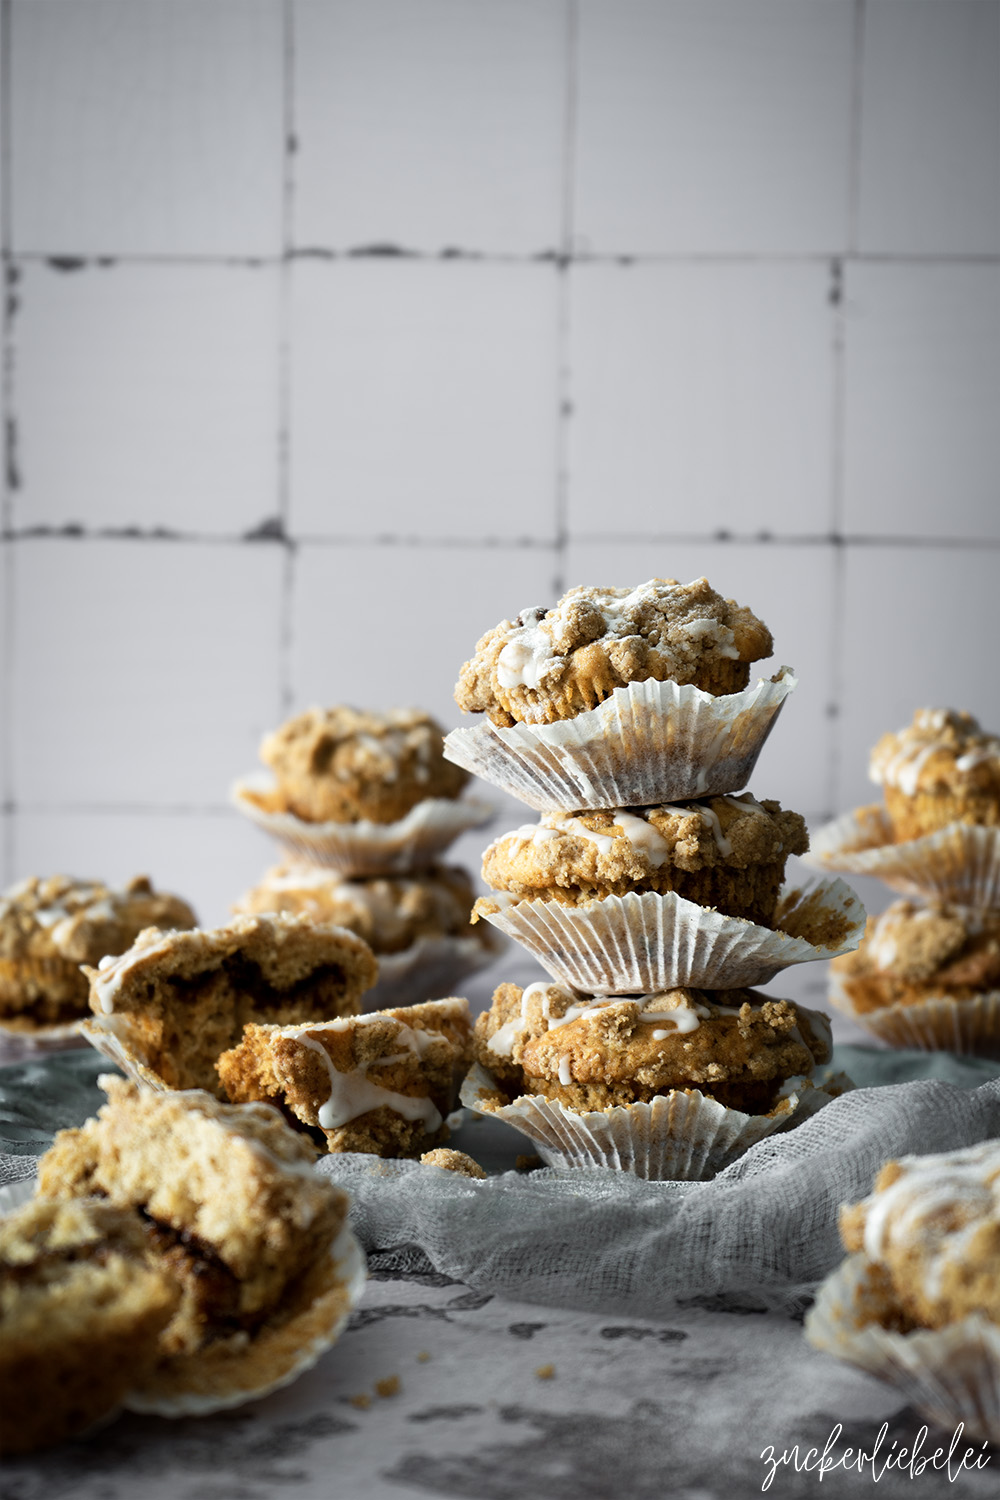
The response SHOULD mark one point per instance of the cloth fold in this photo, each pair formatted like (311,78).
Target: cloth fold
(764,1229)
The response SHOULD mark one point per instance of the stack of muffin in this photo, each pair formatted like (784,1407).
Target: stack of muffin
(928,973)
(365,804)
(649,889)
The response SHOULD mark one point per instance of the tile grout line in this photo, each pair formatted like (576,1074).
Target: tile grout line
(564,373)
(7,804)
(289,147)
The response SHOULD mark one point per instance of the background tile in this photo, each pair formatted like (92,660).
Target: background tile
(702,399)
(430,123)
(207,858)
(713,125)
(931,127)
(147,129)
(424,399)
(922,447)
(791,589)
(386,626)
(917,628)
(147,395)
(160,670)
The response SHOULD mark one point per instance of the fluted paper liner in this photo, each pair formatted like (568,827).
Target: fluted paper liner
(430,969)
(640,944)
(650,742)
(938,1023)
(112,1037)
(362,847)
(231,1371)
(949,1374)
(960,863)
(680,1136)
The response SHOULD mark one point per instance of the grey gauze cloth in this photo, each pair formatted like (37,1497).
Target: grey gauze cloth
(765,1229)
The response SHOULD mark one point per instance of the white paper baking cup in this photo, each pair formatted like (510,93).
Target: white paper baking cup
(682,1136)
(960,863)
(950,1374)
(430,969)
(110,1036)
(239,1369)
(363,847)
(650,742)
(640,944)
(938,1023)
(18,1044)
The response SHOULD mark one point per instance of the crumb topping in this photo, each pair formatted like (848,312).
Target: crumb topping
(82,920)
(554,663)
(941,749)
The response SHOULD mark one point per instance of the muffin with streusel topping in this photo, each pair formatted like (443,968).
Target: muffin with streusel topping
(725,852)
(341,764)
(49,926)
(940,769)
(926,976)
(551,664)
(676,1084)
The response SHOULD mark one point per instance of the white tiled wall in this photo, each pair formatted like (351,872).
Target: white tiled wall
(337,330)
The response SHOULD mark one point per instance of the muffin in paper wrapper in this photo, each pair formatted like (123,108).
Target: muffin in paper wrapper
(17,1027)
(959,864)
(231,1371)
(430,969)
(938,1023)
(951,1375)
(362,847)
(681,1136)
(643,943)
(650,742)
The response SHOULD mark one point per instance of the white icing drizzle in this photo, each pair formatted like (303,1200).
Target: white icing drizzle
(683,1017)
(527,657)
(353,1093)
(113,971)
(565,1072)
(704,628)
(643,836)
(953,1185)
(503,1039)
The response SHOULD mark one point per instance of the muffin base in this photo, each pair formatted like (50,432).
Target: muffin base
(951,1375)
(916,815)
(938,1023)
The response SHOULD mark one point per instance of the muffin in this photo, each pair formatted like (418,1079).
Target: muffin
(734,1046)
(82,1309)
(673,1085)
(728,853)
(50,926)
(940,769)
(321,1076)
(390,912)
(917,1301)
(233,1214)
(178,999)
(552,664)
(342,765)
(926,976)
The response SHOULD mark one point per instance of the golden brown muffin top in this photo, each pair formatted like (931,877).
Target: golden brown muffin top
(941,750)
(934,1223)
(82,920)
(609,850)
(676,1039)
(957,945)
(391,912)
(342,764)
(551,664)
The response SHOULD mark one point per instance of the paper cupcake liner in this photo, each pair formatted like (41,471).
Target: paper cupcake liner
(110,1035)
(235,1370)
(240,1369)
(650,742)
(362,848)
(640,944)
(680,1136)
(938,1023)
(430,969)
(951,1375)
(960,863)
